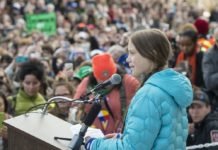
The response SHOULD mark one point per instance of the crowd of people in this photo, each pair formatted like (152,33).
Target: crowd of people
(166,52)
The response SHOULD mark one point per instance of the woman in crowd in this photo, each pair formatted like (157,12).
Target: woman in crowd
(156,118)
(190,56)
(31,76)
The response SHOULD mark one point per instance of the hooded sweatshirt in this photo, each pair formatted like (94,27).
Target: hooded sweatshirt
(156,117)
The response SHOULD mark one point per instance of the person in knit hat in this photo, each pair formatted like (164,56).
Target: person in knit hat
(115,98)
(82,72)
(202,26)
(103,66)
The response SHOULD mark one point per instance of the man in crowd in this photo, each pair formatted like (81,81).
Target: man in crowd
(210,72)
(204,124)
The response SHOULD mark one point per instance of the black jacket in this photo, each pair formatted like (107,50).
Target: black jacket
(205,131)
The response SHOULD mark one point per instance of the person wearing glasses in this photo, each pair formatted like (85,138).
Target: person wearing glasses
(63,110)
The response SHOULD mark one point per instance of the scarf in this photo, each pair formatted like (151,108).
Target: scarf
(191,62)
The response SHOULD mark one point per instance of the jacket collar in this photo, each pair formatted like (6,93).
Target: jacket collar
(24,95)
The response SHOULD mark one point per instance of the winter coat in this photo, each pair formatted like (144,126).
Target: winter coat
(156,118)
(205,132)
(22,102)
(114,104)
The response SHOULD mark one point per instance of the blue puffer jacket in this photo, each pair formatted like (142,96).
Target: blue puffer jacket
(156,118)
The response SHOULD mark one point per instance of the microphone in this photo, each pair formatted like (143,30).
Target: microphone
(77,140)
(113,80)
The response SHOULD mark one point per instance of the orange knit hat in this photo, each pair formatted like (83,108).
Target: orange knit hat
(103,66)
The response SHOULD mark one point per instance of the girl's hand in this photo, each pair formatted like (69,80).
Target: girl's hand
(113,135)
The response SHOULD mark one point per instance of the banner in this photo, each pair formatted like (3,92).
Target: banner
(45,23)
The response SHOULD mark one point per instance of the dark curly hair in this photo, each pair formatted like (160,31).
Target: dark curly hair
(35,68)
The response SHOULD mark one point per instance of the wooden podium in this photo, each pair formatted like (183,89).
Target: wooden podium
(35,131)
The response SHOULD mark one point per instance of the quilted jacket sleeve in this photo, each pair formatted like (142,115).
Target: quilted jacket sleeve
(141,127)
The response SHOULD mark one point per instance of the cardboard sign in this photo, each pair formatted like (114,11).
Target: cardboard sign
(45,23)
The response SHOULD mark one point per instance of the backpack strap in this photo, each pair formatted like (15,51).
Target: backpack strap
(108,107)
(123,103)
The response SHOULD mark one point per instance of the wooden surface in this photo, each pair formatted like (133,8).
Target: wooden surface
(35,131)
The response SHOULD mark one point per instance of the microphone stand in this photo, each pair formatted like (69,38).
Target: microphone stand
(78,139)
(63,98)
(67,100)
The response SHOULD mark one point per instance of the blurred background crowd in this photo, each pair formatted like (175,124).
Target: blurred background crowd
(66,47)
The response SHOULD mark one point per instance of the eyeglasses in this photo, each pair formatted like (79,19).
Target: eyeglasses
(64,94)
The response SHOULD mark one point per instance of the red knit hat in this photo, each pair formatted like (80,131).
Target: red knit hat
(103,66)
(202,26)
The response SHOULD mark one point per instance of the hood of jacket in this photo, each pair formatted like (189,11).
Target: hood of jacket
(175,84)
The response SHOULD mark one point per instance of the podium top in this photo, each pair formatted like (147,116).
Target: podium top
(42,127)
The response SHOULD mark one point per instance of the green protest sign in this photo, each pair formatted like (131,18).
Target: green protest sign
(45,23)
